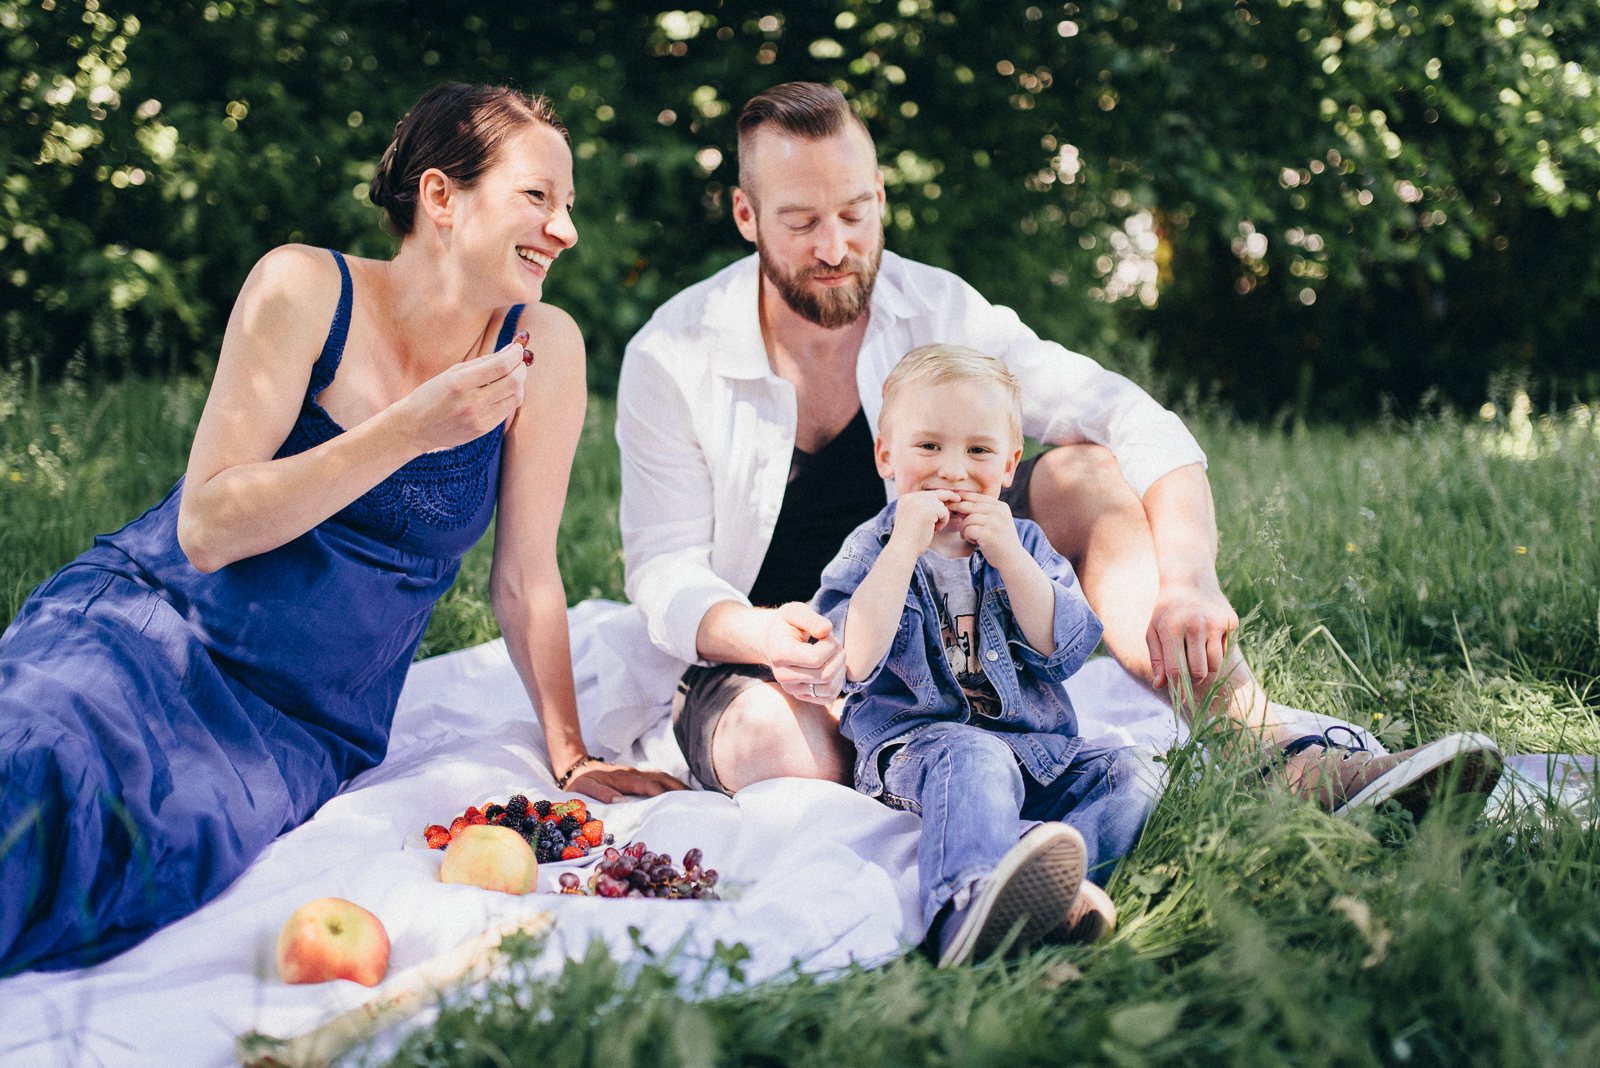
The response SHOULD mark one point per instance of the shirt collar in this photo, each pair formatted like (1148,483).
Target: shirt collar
(732,311)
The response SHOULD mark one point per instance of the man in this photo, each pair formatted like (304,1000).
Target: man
(746,413)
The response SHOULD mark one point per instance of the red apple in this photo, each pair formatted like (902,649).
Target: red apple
(331,938)
(490,856)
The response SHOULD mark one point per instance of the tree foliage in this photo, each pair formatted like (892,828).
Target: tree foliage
(1309,203)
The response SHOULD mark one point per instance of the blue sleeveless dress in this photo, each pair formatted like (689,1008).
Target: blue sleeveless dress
(159,726)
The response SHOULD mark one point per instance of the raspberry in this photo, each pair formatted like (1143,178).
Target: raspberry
(572,852)
(595,832)
(541,807)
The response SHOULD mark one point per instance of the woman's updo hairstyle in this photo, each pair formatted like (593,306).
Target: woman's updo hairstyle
(457,129)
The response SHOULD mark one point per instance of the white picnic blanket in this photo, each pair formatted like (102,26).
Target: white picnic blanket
(816,873)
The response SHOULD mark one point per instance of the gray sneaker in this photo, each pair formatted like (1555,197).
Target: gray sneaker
(1344,776)
(1036,882)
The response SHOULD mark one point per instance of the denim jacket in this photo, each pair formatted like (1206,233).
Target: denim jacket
(914,685)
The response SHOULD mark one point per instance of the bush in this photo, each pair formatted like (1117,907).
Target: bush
(1324,203)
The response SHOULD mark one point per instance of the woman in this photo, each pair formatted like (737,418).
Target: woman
(205,678)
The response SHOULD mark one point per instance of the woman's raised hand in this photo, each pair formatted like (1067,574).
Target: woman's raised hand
(465,402)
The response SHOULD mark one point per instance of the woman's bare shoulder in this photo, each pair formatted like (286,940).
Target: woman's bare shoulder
(295,286)
(551,328)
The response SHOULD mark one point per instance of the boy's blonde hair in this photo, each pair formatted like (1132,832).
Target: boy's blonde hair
(940,364)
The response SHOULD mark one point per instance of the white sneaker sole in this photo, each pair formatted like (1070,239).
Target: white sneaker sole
(1480,769)
(1091,918)
(1038,879)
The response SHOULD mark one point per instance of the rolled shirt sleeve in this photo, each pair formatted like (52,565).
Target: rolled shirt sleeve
(667,514)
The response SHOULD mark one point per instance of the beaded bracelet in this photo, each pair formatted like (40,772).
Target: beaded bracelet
(566,777)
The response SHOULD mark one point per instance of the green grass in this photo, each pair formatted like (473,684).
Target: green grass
(1385,572)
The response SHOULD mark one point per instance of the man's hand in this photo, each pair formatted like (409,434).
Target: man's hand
(805,659)
(1189,631)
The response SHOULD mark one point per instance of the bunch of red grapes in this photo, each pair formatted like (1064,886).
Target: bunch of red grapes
(634,871)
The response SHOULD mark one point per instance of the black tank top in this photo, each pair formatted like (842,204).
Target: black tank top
(830,493)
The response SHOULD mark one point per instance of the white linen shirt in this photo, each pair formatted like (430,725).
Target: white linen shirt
(707,429)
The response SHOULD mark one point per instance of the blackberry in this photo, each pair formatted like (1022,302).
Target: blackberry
(569,825)
(494,813)
(517,806)
(529,829)
(542,808)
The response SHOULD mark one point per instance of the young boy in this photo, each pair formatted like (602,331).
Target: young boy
(958,624)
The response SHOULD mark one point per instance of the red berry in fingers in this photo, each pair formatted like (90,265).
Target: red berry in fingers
(595,832)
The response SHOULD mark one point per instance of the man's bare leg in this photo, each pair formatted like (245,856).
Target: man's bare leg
(1092,516)
(764,734)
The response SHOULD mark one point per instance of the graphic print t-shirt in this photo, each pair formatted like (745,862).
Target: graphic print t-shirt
(956,595)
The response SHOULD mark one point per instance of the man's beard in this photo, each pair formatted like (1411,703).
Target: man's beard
(829,307)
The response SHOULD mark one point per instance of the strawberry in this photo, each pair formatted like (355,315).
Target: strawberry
(477,819)
(579,809)
(594,832)
(472,810)
(573,852)
(458,823)
(438,837)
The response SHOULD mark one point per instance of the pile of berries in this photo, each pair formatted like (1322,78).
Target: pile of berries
(560,830)
(634,871)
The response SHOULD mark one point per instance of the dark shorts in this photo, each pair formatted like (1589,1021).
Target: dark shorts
(1016,494)
(704,694)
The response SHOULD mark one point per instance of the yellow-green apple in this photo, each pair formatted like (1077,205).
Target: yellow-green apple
(331,938)
(495,858)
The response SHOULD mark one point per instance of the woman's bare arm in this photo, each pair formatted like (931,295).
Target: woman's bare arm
(525,584)
(237,500)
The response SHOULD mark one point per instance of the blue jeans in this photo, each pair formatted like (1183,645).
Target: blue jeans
(975,803)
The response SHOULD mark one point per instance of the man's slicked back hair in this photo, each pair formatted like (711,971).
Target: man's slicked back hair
(810,110)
